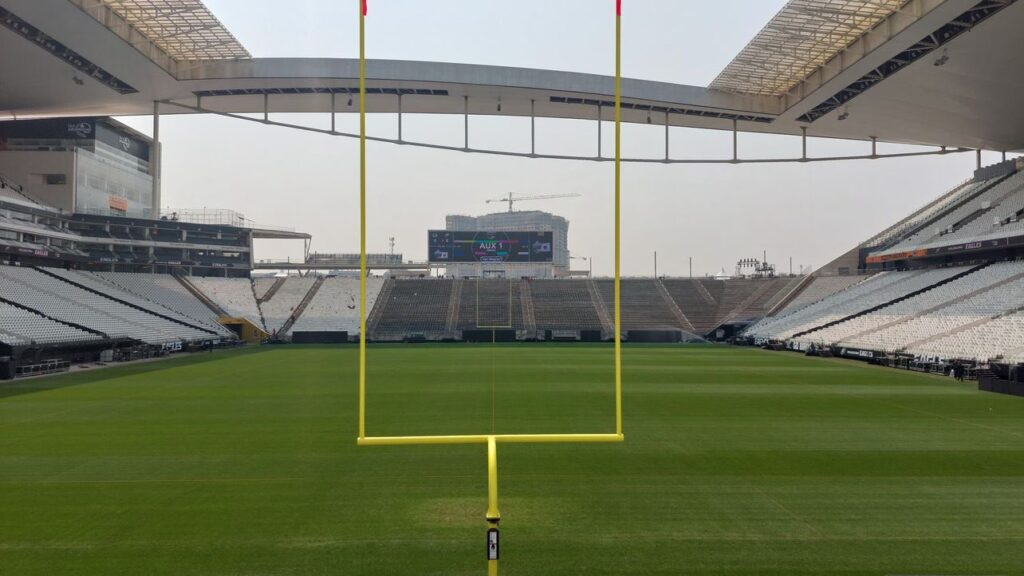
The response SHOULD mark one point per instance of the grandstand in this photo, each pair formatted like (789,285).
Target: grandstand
(490,303)
(941,285)
(335,306)
(80,301)
(413,308)
(234,296)
(165,291)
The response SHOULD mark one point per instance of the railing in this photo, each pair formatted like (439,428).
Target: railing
(350,259)
(216,217)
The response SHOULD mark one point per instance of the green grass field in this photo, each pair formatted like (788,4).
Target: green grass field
(735,462)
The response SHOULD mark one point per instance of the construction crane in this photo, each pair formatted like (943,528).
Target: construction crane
(511,199)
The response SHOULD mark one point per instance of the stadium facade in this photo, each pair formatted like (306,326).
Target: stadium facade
(83,165)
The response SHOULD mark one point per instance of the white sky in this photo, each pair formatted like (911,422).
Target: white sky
(716,214)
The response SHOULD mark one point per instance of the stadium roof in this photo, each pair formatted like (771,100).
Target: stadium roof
(804,35)
(933,72)
(185,29)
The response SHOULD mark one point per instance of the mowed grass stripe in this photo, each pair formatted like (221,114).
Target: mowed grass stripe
(736,462)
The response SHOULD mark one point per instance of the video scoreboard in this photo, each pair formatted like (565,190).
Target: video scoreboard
(489,247)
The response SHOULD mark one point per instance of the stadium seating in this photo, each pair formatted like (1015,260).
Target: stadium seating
(1002,219)
(926,213)
(956,224)
(335,306)
(981,295)
(820,287)
(20,327)
(642,305)
(234,295)
(165,293)
(695,301)
(745,298)
(489,304)
(563,305)
(412,306)
(278,310)
(874,292)
(69,303)
(151,304)
(263,285)
(847,331)
(998,338)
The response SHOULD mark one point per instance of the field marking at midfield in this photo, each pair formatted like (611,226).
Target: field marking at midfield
(617,538)
(604,539)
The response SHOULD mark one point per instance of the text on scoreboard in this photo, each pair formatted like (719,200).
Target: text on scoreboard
(489,247)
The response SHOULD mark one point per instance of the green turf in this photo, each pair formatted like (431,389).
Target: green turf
(735,462)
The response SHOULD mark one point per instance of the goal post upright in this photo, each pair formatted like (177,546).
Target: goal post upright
(618,174)
(362,219)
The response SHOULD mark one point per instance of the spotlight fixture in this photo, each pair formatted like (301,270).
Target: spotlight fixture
(499,104)
(844,115)
(349,100)
(648,116)
(77,80)
(941,60)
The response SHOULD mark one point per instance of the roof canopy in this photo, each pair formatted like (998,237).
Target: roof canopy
(934,72)
(804,35)
(185,29)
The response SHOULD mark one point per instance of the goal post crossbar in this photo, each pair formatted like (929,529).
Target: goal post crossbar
(483,439)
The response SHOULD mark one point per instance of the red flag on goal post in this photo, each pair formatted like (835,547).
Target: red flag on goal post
(364,7)
(618,7)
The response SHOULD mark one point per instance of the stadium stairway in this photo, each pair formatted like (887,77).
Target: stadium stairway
(693,301)
(684,322)
(792,295)
(278,282)
(526,305)
(703,291)
(151,310)
(607,320)
(792,286)
(301,307)
(454,303)
(373,318)
(199,294)
(890,302)
(747,305)
(263,321)
(941,306)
